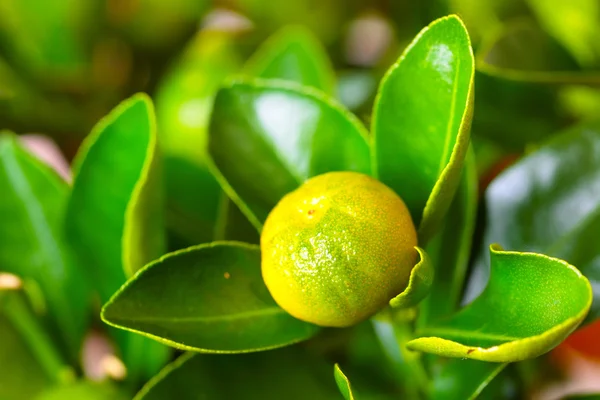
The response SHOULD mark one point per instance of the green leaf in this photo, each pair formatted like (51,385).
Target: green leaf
(463,379)
(343,383)
(114,222)
(267,138)
(36,37)
(536,301)
(84,390)
(293,54)
(450,250)
(290,373)
(32,245)
(548,203)
(574,24)
(522,51)
(184,100)
(158,25)
(421,121)
(113,219)
(419,284)
(21,373)
(207,298)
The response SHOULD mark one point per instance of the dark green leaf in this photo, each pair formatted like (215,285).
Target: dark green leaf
(419,285)
(449,251)
(207,298)
(289,373)
(536,301)
(32,245)
(114,222)
(293,54)
(343,383)
(548,203)
(84,390)
(267,138)
(460,379)
(421,121)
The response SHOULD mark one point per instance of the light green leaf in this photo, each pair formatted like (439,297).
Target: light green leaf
(574,24)
(114,216)
(207,298)
(291,373)
(32,245)
(267,138)
(535,302)
(419,284)
(421,121)
(343,383)
(293,54)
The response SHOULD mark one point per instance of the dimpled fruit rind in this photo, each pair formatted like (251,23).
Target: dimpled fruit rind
(337,249)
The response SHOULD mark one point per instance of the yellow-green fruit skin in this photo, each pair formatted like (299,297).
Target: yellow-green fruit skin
(337,249)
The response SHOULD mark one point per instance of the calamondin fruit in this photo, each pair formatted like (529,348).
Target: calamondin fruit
(337,249)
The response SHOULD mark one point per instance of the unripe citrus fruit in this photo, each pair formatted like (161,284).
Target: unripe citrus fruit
(337,249)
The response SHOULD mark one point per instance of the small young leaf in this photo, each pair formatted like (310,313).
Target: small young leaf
(463,379)
(290,373)
(421,121)
(421,279)
(32,244)
(532,303)
(207,298)
(343,383)
(267,138)
(114,221)
(293,54)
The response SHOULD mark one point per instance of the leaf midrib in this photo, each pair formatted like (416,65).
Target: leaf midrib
(206,319)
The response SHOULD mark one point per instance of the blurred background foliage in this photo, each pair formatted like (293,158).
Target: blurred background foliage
(65,64)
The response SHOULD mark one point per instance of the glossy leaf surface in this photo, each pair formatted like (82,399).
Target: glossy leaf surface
(548,203)
(267,138)
(207,298)
(532,303)
(116,190)
(421,121)
(32,245)
(289,373)
(293,54)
